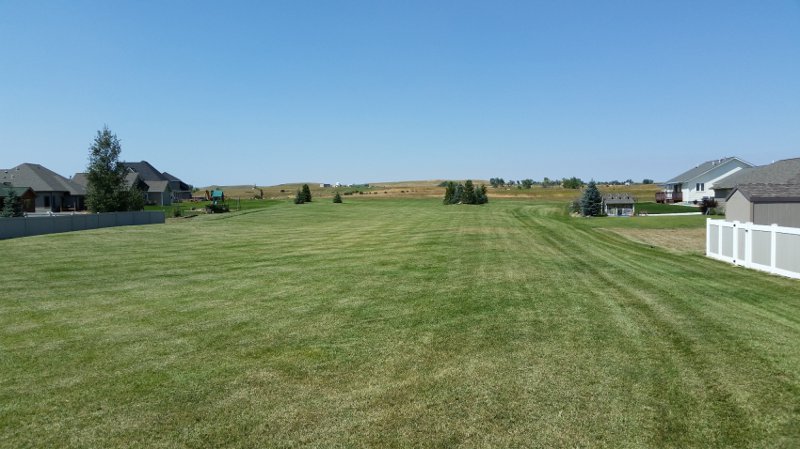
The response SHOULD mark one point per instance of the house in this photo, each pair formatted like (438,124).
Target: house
(54,193)
(786,171)
(180,190)
(163,188)
(765,204)
(619,205)
(25,194)
(697,183)
(132,179)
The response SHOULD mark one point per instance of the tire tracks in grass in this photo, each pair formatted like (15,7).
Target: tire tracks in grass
(666,322)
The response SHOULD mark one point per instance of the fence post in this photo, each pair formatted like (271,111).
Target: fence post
(773,245)
(708,236)
(735,243)
(748,244)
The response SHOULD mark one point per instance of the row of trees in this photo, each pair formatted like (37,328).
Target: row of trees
(466,193)
(568,183)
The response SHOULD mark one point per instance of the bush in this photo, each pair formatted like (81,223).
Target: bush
(708,206)
(337,198)
(177,212)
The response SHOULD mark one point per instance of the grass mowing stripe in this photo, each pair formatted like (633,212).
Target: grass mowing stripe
(391,323)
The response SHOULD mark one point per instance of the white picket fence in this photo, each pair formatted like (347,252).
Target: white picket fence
(774,249)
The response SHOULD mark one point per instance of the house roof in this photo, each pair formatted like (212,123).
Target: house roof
(146,171)
(173,178)
(40,179)
(769,193)
(131,179)
(619,198)
(5,188)
(703,168)
(157,186)
(786,171)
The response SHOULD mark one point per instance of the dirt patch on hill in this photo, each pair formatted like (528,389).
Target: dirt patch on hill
(678,240)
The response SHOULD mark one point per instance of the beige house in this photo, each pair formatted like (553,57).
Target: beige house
(765,204)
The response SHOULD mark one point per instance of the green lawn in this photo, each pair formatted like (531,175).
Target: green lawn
(659,208)
(390,323)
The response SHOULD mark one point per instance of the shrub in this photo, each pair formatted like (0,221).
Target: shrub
(337,198)
(708,206)
(177,212)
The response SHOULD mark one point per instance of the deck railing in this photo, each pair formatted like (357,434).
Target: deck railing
(669,197)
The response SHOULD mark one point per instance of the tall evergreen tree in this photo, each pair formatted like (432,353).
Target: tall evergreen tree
(449,191)
(12,205)
(299,198)
(337,198)
(106,190)
(468,197)
(306,193)
(591,201)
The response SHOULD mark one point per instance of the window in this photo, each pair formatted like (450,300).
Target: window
(700,186)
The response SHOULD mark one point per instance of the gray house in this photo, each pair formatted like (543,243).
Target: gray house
(132,179)
(786,171)
(619,205)
(163,188)
(54,193)
(701,181)
(765,204)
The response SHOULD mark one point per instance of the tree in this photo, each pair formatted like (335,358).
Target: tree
(527,183)
(467,193)
(480,195)
(647,181)
(12,205)
(572,183)
(300,198)
(449,191)
(337,198)
(106,190)
(591,201)
(468,197)
(546,182)
(306,194)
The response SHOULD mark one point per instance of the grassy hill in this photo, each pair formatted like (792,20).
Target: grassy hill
(392,323)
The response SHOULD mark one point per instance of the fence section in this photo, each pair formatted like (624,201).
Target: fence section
(774,249)
(50,224)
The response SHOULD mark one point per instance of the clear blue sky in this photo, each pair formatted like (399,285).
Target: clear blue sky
(269,92)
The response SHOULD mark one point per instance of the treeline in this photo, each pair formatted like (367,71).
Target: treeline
(466,193)
(567,183)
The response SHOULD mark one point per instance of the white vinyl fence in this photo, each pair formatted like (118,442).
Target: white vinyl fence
(50,224)
(774,249)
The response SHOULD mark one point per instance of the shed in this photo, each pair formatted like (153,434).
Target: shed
(765,204)
(619,204)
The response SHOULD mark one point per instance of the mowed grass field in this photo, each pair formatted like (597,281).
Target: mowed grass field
(395,323)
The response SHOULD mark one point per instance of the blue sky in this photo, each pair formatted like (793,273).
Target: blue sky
(269,92)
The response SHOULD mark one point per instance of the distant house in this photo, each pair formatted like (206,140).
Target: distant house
(132,179)
(324,185)
(54,193)
(163,188)
(765,204)
(25,195)
(699,182)
(786,171)
(180,190)
(619,205)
